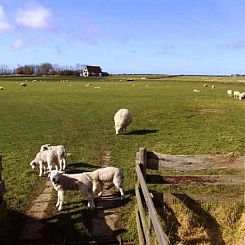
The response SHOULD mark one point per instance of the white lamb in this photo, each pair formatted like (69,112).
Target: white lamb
(229,92)
(196,90)
(213,87)
(44,160)
(81,182)
(122,119)
(242,96)
(60,151)
(107,174)
(236,94)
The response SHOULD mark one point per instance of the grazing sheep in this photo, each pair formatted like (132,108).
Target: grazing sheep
(61,152)
(122,119)
(242,96)
(236,94)
(1,88)
(229,92)
(107,174)
(196,90)
(205,85)
(81,182)
(213,87)
(23,84)
(44,160)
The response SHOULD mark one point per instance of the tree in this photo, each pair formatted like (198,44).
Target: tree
(46,68)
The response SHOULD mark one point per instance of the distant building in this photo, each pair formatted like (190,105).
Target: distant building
(91,71)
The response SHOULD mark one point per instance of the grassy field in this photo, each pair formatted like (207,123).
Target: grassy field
(167,117)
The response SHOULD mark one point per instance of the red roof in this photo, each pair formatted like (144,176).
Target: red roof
(94,69)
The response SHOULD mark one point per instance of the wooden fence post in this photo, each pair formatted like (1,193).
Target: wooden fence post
(143,160)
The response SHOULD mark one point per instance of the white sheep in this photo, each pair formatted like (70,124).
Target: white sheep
(236,94)
(44,160)
(242,96)
(23,84)
(107,174)
(205,85)
(213,87)
(1,88)
(122,119)
(196,90)
(61,152)
(229,92)
(81,182)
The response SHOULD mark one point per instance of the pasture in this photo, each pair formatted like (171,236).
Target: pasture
(168,117)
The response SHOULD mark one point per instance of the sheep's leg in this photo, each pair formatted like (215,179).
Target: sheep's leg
(120,188)
(60,199)
(60,163)
(49,165)
(40,169)
(90,199)
(64,163)
(101,184)
(122,193)
(94,186)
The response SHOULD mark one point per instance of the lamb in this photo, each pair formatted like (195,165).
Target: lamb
(229,92)
(242,96)
(196,90)
(44,160)
(213,87)
(122,119)
(205,85)
(236,94)
(81,182)
(61,153)
(23,84)
(107,174)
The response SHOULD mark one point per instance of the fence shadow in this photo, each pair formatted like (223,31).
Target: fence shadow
(142,132)
(205,219)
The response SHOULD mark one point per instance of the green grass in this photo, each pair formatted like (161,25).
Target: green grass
(167,117)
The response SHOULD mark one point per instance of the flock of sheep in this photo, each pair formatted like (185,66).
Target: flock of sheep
(87,182)
(236,94)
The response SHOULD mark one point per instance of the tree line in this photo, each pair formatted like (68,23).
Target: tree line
(42,69)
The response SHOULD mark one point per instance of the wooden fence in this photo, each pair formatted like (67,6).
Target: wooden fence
(146,215)
(149,219)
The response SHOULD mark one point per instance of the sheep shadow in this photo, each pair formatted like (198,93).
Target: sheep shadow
(79,167)
(142,132)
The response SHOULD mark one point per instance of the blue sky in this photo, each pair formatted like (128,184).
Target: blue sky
(126,36)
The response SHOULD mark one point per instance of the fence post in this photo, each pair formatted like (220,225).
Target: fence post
(143,160)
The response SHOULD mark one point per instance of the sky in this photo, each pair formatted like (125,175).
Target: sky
(126,36)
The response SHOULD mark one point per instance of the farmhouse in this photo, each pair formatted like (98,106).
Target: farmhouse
(89,71)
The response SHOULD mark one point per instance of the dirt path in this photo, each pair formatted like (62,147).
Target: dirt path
(33,227)
(104,224)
